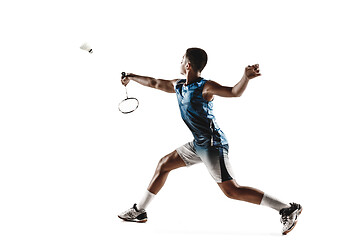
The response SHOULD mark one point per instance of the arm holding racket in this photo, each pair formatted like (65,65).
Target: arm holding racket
(212,88)
(160,84)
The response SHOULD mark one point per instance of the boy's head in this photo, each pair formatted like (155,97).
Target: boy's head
(196,57)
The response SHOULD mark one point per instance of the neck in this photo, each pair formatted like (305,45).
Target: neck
(192,77)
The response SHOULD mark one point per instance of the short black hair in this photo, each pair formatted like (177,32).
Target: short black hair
(197,58)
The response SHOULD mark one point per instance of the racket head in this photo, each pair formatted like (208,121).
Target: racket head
(128,105)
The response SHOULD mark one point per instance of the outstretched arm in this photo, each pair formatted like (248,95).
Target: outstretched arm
(160,84)
(212,88)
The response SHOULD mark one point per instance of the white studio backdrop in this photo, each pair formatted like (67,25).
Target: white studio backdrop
(70,161)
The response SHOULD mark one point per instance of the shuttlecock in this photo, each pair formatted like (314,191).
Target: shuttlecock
(86,47)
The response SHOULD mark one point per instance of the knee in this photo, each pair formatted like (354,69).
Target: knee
(229,192)
(163,165)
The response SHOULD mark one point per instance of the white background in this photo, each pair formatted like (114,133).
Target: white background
(70,161)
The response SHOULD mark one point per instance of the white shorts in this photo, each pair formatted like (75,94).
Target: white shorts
(215,159)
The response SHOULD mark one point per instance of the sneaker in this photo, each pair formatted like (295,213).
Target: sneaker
(134,215)
(289,217)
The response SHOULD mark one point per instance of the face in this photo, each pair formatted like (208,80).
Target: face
(183,65)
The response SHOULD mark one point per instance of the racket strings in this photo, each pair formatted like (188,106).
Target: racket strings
(128,105)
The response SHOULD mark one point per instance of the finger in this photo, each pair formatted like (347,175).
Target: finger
(250,67)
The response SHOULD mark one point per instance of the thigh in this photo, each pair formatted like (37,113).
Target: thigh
(188,154)
(217,162)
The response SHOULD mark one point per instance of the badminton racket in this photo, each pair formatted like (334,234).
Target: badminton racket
(129,104)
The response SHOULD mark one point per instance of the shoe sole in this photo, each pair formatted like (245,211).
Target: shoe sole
(293,226)
(133,220)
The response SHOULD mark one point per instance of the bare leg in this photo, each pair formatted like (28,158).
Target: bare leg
(232,190)
(166,164)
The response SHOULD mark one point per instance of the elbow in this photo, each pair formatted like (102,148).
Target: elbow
(236,93)
(153,83)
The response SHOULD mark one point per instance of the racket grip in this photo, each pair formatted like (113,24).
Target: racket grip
(123,75)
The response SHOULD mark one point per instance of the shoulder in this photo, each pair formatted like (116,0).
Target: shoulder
(177,82)
(206,90)
(210,84)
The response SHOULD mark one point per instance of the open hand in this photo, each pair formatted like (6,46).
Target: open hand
(252,71)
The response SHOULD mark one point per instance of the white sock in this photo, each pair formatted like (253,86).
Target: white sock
(145,201)
(272,202)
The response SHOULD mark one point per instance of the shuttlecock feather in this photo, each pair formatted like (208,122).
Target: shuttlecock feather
(86,47)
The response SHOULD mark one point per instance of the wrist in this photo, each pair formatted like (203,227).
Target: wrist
(245,78)
(130,76)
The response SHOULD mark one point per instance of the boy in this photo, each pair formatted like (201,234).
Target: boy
(195,98)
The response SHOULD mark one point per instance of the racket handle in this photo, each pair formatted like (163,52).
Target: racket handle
(126,93)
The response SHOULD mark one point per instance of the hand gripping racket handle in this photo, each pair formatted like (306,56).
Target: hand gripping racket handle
(123,75)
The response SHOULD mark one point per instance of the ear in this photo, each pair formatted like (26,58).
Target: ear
(188,66)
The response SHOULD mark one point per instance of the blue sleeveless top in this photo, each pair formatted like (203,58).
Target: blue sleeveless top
(198,115)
